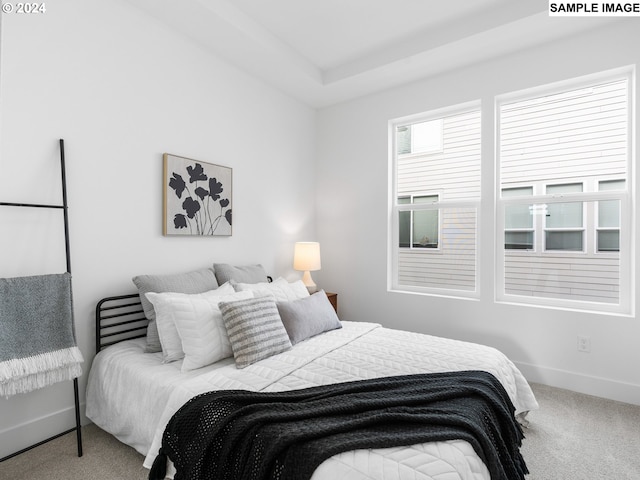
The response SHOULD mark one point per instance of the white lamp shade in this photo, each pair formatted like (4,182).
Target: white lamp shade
(306,256)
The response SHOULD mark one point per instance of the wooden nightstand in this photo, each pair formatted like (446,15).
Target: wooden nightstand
(333,298)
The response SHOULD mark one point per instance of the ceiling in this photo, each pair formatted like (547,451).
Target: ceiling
(327,51)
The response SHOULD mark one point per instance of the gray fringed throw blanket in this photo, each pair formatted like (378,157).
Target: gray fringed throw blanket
(37,336)
(241,435)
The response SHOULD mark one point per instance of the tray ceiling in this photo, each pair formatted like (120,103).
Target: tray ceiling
(334,50)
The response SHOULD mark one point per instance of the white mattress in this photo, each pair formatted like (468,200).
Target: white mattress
(132,395)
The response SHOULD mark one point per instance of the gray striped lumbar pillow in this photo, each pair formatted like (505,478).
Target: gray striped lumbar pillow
(255,329)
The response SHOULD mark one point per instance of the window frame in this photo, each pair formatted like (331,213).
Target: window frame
(393,249)
(626,253)
(415,153)
(597,227)
(584,221)
(424,207)
(532,229)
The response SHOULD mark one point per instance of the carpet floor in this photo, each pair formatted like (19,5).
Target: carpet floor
(571,437)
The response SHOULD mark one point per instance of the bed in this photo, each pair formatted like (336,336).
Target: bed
(132,394)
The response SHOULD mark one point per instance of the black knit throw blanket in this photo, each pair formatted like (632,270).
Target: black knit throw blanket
(242,435)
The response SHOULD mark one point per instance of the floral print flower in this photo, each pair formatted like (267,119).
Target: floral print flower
(191,206)
(180,221)
(215,187)
(196,173)
(177,183)
(201,192)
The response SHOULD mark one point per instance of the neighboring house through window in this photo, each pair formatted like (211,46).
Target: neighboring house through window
(435,199)
(564,206)
(420,228)
(563,209)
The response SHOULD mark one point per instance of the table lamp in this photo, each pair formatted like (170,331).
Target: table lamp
(306,258)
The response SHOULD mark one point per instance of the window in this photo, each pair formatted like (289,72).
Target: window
(519,232)
(563,209)
(608,235)
(563,221)
(419,229)
(422,137)
(434,198)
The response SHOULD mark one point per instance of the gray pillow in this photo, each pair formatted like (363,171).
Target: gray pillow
(239,273)
(254,328)
(197,281)
(308,316)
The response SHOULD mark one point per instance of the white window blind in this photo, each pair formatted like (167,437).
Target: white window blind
(566,146)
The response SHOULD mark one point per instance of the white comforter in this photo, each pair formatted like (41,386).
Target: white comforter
(133,395)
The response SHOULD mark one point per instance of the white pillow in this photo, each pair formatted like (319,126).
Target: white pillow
(170,305)
(282,290)
(203,333)
(197,281)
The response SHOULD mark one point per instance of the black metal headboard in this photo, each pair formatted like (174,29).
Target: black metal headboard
(119,318)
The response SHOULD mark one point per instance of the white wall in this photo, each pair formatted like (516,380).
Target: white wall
(352,196)
(121,90)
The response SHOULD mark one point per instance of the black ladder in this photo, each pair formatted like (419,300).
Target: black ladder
(64,208)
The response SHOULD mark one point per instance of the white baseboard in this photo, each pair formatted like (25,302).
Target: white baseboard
(577,382)
(17,437)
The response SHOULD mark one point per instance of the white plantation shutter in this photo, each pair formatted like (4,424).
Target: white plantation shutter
(576,137)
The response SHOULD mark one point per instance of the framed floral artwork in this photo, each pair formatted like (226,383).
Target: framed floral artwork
(197,197)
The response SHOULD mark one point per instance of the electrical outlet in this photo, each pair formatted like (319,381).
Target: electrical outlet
(584,344)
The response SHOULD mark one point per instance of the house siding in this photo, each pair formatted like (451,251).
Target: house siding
(579,136)
(453,174)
